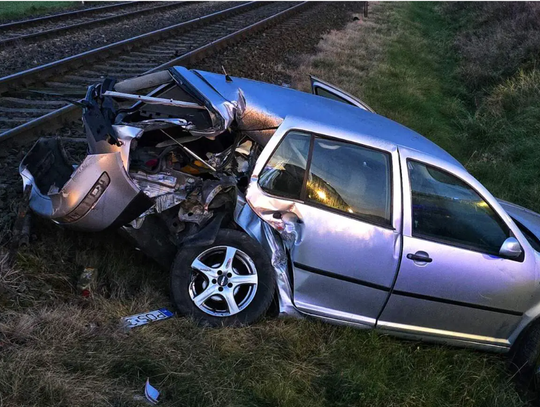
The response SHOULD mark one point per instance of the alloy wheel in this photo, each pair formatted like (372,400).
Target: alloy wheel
(223,281)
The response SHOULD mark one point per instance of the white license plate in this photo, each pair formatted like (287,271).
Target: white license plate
(146,317)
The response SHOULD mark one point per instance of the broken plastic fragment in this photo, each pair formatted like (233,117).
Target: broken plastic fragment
(146,317)
(151,393)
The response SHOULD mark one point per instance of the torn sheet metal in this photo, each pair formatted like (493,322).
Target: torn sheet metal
(192,210)
(146,317)
(246,218)
(153,100)
(162,188)
(154,184)
(222,111)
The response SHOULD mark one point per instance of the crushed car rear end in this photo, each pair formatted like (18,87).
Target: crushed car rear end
(147,154)
(167,163)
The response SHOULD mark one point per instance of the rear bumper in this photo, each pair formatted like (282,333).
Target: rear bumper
(96,195)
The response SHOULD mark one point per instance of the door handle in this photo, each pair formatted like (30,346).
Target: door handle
(420,256)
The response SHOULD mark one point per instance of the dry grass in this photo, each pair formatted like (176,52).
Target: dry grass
(12,280)
(347,57)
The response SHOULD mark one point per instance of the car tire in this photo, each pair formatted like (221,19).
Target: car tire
(205,286)
(525,357)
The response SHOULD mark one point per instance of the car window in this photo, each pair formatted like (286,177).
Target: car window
(351,179)
(284,172)
(326,94)
(531,238)
(446,209)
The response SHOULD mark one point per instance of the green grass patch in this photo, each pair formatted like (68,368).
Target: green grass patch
(502,138)
(19,9)
(424,84)
(414,84)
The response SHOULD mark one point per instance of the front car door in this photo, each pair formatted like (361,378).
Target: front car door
(344,198)
(452,284)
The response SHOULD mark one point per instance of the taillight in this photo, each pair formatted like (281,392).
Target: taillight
(89,200)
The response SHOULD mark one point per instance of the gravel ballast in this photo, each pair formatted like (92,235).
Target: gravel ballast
(270,56)
(29,55)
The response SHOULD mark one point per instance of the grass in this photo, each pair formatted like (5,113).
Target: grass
(494,40)
(498,135)
(58,349)
(19,9)
(502,138)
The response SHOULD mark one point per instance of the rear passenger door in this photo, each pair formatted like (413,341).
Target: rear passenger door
(453,284)
(346,200)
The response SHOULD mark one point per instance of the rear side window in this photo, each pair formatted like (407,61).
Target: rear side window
(350,179)
(284,172)
(446,209)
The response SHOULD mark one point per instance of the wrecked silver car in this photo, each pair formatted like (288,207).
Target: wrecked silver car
(255,192)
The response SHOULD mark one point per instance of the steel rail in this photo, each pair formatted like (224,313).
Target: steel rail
(87,24)
(39,73)
(59,117)
(60,16)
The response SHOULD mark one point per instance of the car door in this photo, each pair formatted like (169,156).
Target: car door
(324,89)
(341,203)
(453,284)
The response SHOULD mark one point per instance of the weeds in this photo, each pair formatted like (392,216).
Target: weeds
(494,40)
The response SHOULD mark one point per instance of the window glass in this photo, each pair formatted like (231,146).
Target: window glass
(448,210)
(284,172)
(531,238)
(351,179)
(324,93)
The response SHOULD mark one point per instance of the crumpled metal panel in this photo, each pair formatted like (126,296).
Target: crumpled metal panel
(160,187)
(58,204)
(289,224)
(246,218)
(232,108)
(222,111)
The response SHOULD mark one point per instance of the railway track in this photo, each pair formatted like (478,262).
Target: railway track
(34,100)
(36,29)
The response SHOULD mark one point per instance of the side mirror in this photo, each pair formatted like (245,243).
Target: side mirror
(511,248)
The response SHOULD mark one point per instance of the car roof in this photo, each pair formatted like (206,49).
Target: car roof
(279,102)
